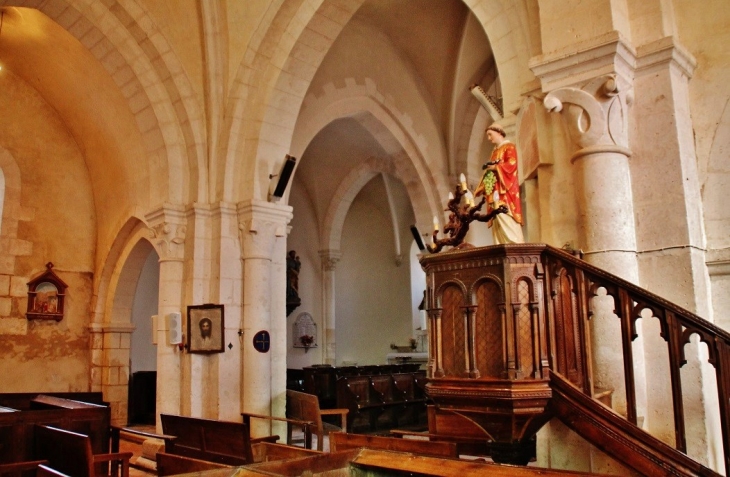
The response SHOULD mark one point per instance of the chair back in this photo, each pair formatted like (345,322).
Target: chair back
(304,407)
(66,452)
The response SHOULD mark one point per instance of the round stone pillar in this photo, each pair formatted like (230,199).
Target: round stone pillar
(262,225)
(596,118)
(167,234)
(329,263)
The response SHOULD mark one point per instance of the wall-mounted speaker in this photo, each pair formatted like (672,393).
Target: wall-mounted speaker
(174,328)
(283,178)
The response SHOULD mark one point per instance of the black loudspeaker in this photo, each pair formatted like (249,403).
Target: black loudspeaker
(417,237)
(284,175)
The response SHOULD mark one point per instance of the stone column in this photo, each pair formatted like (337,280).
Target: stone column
(262,226)
(110,344)
(329,262)
(167,234)
(226,257)
(592,89)
(670,235)
(596,118)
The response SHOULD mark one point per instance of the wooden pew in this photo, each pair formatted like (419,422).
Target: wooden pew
(45,471)
(224,442)
(21,468)
(384,401)
(71,453)
(340,441)
(17,428)
(353,393)
(21,401)
(169,464)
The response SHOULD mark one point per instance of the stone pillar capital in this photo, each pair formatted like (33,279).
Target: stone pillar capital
(330,258)
(595,80)
(608,54)
(259,224)
(662,53)
(167,225)
(597,115)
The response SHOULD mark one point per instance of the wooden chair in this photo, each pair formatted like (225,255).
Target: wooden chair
(70,453)
(305,407)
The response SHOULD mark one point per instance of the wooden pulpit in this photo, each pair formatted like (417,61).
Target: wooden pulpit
(488,363)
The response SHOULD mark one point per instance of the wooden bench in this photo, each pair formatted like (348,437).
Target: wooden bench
(17,428)
(223,442)
(321,380)
(193,444)
(340,441)
(22,401)
(71,453)
(169,464)
(21,468)
(384,401)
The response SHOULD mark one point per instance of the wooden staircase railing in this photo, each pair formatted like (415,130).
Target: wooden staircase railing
(509,327)
(618,438)
(571,280)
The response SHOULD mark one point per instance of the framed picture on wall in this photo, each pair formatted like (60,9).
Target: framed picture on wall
(205,329)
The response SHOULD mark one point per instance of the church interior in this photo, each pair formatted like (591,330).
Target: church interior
(257,180)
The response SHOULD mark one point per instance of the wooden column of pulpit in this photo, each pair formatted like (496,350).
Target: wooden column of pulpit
(488,361)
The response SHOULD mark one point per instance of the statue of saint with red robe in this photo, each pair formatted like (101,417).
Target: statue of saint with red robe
(501,186)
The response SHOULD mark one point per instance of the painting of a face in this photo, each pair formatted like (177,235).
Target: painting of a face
(205,327)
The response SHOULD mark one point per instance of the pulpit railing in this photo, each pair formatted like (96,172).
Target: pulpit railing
(570,286)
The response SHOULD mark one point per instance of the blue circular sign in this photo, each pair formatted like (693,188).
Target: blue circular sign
(262,341)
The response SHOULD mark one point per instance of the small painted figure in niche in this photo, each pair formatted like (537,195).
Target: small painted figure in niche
(46,298)
(501,186)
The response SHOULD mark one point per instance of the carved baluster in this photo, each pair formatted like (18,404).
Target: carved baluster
(628,334)
(722,370)
(584,315)
(676,361)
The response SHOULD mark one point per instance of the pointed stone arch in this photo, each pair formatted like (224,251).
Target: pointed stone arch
(284,55)
(128,45)
(413,159)
(111,325)
(10,246)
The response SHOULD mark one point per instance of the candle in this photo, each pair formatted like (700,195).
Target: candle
(451,196)
(462,179)
(435,223)
(470,198)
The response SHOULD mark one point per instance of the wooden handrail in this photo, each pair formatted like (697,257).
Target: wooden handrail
(677,325)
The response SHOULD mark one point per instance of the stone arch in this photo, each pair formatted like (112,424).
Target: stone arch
(286,52)
(10,246)
(128,237)
(394,132)
(346,192)
(125,41)
(9,204)
(112,326)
